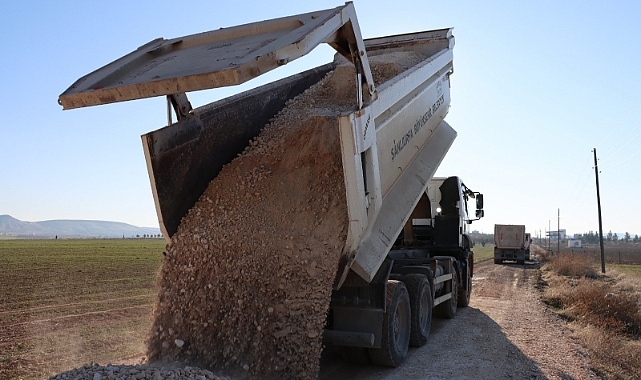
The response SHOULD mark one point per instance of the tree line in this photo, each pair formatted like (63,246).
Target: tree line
(593,237)
(147,236)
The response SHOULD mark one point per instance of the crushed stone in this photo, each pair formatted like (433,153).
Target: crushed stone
(247,278)
(246,282)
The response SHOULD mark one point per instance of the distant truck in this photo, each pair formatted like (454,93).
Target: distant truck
(511,242)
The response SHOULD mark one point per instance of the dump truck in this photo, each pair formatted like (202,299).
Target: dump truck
(512,243)
(407,250)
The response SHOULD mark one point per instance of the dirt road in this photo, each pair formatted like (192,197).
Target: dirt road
(505,333)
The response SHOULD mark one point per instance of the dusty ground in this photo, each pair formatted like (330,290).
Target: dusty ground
(505,333)
(68,302)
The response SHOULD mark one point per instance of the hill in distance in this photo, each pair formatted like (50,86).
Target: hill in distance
(71,229)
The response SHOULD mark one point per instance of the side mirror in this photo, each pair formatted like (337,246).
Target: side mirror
(479,202)
(480,214)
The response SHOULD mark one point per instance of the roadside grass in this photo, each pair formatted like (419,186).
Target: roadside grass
(67,302)
(631,270)
(603,310)
(613,356)
(483,253)
(572,265)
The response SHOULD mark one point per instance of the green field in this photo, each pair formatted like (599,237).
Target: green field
(633,270)
(65,301)
(483,253)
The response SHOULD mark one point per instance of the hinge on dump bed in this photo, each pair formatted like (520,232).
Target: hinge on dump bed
(181,105)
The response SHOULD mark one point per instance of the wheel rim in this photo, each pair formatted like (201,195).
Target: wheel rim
(454,289)
(401,325)
(424,311)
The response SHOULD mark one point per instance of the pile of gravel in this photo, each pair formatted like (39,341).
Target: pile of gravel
(134,372)
(246,282)
(247,277)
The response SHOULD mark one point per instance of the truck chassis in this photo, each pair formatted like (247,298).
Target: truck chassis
(519,255)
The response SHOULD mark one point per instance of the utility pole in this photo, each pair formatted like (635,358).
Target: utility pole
(558,232)
(598,200)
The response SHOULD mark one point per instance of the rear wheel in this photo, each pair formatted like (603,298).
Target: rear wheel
(465,293)
(447,309)
(498,261)
(421,304)
(396,327)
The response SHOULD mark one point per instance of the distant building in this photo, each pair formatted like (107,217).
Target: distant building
(554,234)
(574,243)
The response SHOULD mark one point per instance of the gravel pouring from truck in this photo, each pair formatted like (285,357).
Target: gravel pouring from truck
(406,249)
(511,242)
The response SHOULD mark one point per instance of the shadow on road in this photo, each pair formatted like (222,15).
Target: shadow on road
(534,264)
(470,346)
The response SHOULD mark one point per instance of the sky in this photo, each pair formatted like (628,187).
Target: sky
(537,85)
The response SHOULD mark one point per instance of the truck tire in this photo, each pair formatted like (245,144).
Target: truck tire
(520,262)
(448,308)
(498,261)
(421,304)
(464,294)
(396,327)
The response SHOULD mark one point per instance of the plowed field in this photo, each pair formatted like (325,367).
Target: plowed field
(68,302)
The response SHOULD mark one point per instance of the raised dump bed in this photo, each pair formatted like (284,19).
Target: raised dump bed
(392,144)
(372,158)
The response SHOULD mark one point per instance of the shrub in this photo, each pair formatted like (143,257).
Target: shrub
(572,265)
(544,255)
(615,356)
(598,304)
(606,310)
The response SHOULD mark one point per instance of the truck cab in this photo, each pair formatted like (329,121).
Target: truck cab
(442,217)
(431,257)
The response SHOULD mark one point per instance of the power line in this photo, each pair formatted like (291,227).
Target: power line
(584,184)
(615,165)
(584,196)
(622,120)
(623,139)
(578,198)
(585,167)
